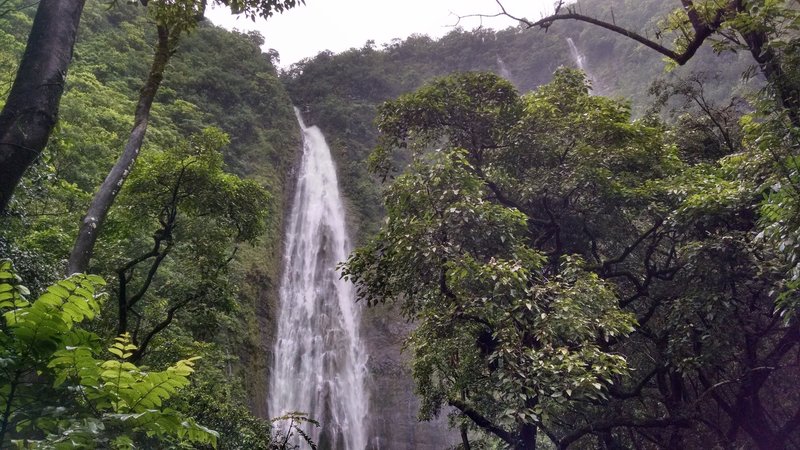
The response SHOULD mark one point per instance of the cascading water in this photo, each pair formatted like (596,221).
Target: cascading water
(580,61)
(319,361)
(577,56)
(504,72)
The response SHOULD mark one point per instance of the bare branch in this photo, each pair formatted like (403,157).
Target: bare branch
(702,29)
(679,422)
(137,355)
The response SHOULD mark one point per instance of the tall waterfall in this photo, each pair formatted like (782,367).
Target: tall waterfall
(319,361)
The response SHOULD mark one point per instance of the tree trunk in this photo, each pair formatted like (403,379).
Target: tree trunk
(786,92)
(31,110)
(527,437)
(465,438)
(92,222)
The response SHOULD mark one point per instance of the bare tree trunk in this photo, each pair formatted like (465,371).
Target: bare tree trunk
(92,222)
(31,110)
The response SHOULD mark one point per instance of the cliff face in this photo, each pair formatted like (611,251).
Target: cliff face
(393,404)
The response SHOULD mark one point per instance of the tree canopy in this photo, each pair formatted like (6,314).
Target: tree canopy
(563,262)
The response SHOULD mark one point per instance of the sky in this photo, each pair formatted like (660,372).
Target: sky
(338,25)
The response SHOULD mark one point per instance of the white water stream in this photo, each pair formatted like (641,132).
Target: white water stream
(580,61)
(504,72)
(319,363)
(577,56)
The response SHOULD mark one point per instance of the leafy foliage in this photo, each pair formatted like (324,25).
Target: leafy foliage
(195,212)
(341,93)
(605,282)
(100,401)
(210,81)
(460,244)
(574,273)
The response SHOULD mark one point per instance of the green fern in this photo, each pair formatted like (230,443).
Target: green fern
(12,294)
(130,396)
(112,401)
(43,324)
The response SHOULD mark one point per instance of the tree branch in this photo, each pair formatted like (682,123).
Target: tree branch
(628,250)
(93,221)
(636,391)
(139,353)
(482,421)
(702,29)
(567,440)
(150,275)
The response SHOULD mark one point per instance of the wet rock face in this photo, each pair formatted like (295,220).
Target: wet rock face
(393,423)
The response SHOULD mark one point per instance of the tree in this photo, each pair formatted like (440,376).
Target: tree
(196,213)
(172,19)
(708,131)
(746,208)
(478,235)
(560,237)
(31,109)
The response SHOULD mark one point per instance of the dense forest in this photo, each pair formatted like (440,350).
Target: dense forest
(604,258)
(197,246)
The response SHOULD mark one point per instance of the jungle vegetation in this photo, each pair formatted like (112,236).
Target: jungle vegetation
(602,260)
(583,279)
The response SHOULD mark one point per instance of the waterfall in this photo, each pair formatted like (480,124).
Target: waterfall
(577,56)
(319,363)
(504,72)
(580,61)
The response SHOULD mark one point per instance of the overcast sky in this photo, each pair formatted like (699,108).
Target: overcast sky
(338,25)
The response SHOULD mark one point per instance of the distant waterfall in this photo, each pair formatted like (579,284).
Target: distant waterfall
(577,56)
(504,72)
(320,361)
(580,61)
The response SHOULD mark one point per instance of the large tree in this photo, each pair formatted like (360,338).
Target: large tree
(197,214)
(31,109)
(477,236)
(542,229)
